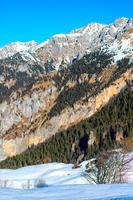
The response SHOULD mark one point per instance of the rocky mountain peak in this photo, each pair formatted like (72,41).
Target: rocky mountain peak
(15,47)
(123,21)
(66,47)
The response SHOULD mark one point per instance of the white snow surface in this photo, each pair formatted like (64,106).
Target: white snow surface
(58,181)
(45,174)
(71,192)
(51,174)
(121,50)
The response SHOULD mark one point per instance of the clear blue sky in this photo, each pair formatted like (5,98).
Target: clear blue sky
(25,20)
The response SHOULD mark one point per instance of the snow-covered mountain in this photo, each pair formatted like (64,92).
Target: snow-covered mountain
(64,48)
(46,88)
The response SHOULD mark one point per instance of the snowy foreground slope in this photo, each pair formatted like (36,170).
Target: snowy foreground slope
(71,192)
(58,181)
(42,175)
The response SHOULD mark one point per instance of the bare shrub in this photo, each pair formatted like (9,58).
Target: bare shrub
(109,167)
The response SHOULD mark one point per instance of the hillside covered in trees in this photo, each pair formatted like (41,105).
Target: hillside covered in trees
(73,145)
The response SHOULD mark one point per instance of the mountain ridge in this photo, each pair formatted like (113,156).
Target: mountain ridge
(99,34)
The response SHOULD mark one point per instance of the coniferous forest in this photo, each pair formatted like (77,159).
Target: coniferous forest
(72,145)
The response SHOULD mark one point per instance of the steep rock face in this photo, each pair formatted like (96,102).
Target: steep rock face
(68,117)
(51,86)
